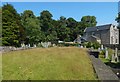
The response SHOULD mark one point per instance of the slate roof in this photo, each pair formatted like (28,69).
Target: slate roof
(102,27)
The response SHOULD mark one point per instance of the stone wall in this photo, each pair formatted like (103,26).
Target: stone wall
(11,48)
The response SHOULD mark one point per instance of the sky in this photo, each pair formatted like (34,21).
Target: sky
(105,12)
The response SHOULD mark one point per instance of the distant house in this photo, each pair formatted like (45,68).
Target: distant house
(104,34)
(80,39)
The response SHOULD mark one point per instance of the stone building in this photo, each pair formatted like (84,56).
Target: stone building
(104,34)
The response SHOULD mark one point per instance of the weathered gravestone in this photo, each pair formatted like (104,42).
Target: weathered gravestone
(116,55)
(106,53)
(102,47)
(29,45)
(34,45)
(113,58)
(81,46)
(23,45)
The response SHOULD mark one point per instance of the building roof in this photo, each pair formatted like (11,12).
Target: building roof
(102,27)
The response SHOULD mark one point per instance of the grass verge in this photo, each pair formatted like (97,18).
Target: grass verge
(66,63)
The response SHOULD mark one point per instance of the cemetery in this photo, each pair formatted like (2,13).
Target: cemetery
(43,48)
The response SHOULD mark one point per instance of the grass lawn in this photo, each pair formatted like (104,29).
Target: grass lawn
(65,63)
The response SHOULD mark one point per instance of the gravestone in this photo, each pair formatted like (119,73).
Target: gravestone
(102,47)
(81,46)
(26,46)
(106,54)
(35,45)
(92,48)
(116,52)
(98,49)
(113,58)
(23,45)
(116,55)
(29,45)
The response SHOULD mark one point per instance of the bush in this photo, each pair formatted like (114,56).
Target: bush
(95,45)
(67,44)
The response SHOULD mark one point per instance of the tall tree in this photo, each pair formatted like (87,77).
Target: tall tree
(89,21)
(62,31)
(72,25)
(47,26)
(32,27)
(10,26)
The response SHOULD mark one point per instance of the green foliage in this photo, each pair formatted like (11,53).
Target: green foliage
(47,26)
(28,28)
(89,21)
(95,45)
(10,26)
(32,27)
(67,44)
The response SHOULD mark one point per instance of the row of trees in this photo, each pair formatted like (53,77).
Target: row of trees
(27,28)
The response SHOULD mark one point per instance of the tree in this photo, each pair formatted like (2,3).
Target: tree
(62,31)
(10,26)
(72,25)
(32,27)
(89,21)
(47,26)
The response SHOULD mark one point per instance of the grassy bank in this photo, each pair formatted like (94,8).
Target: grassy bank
(66,63)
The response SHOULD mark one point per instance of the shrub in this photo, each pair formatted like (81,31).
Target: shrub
(95,45)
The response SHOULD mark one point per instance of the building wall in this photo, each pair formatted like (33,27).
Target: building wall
(114,35)
(103,35)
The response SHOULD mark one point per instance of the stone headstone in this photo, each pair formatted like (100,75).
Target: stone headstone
(29,45)
(106,54)
(23,45)
(92,48)
(102,47)
(113,58)
(98,49)
(116,52)
(117,59)
(81,46)
(35,45)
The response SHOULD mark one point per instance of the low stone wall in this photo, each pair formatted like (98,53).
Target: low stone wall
(104,73)
(11,48)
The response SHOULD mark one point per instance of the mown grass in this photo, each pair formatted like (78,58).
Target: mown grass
(66,63)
